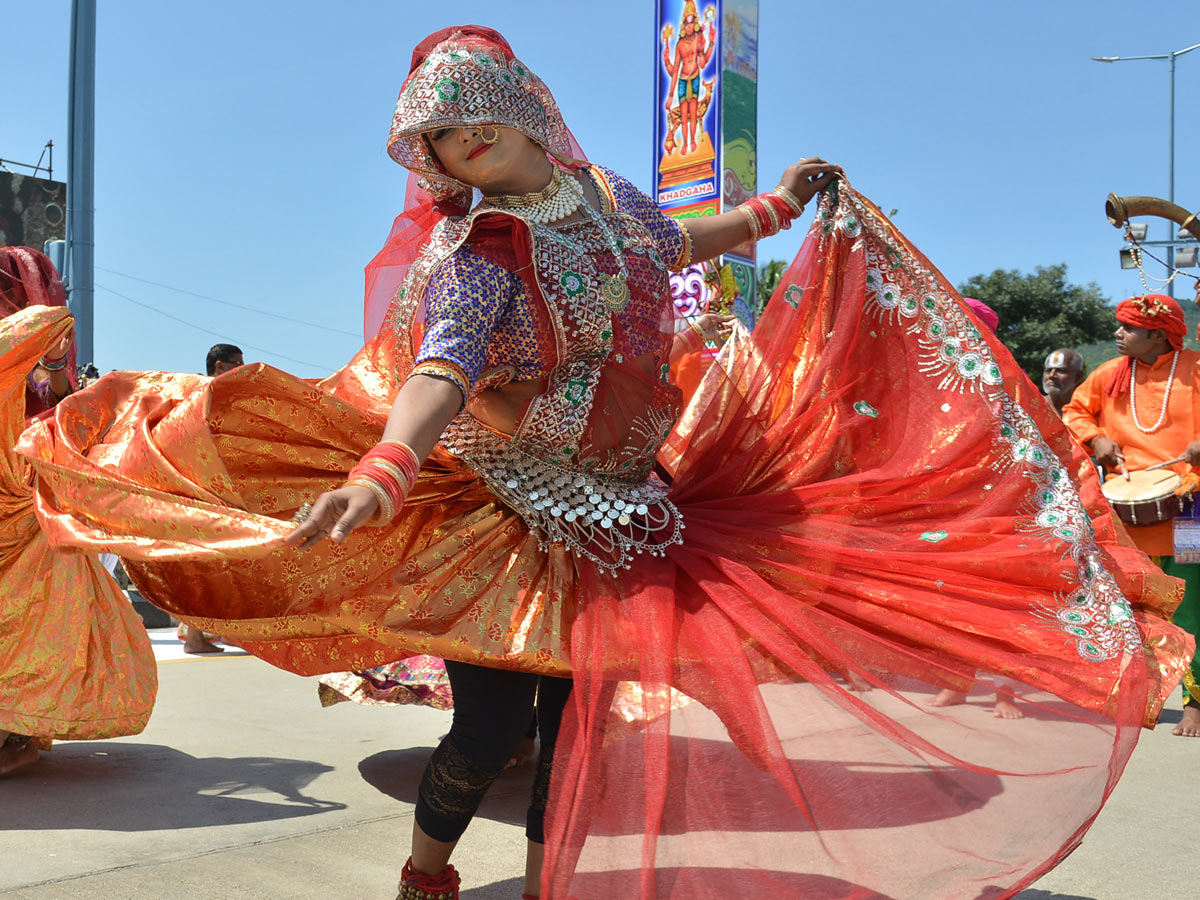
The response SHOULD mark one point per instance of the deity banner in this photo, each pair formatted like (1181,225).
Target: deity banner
(705,97)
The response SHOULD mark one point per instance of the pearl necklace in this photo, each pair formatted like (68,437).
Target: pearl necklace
(559,199)
(1162,416)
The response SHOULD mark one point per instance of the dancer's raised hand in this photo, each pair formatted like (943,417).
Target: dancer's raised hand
(808,176)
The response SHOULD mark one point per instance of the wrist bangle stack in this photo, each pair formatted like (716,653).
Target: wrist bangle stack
(685,255)
(771,213)
(790,199)
(752,221)
(54,365)
(389,471)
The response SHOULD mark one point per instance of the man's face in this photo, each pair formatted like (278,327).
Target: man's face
(1132,340)
(1060,377)
(221,366)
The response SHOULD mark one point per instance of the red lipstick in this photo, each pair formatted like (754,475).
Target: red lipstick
(480,149)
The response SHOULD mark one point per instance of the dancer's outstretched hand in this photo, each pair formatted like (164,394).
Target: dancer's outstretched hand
(807,177)
(336,514)
(716,328)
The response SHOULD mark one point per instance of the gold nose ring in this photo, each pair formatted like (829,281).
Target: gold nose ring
(489,140)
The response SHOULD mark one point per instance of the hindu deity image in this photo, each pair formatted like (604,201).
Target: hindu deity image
(688,96)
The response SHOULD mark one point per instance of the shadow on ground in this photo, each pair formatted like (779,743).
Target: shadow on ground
(1170,717)
(500,890)
(1048,895)
(79,785)
(397,773)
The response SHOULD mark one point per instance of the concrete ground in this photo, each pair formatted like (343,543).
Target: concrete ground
(242,788)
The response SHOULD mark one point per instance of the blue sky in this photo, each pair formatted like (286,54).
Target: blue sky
(240,145)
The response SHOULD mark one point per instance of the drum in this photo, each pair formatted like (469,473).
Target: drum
(1147,498)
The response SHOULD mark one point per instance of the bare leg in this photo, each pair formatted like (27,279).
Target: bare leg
(948,698)
(429,856)
(535,855)
(1189,725)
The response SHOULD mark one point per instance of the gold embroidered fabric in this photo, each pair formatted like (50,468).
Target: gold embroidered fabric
(75,661)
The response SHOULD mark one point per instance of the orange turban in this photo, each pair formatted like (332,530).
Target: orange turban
(1154,312)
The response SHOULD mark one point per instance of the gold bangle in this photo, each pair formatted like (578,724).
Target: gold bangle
(386,511)
(752,221)
(789,198)
(773,215)
(685,255)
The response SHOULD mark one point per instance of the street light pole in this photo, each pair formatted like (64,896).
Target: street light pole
(1170,58)
(81,163)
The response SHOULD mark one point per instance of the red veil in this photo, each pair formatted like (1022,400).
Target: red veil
(878,504)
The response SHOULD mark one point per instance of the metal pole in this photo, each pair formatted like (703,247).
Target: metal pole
(81,165)
(1171,182)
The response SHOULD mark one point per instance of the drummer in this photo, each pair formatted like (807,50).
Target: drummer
(1143,408)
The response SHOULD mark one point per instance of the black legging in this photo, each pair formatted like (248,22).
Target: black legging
(492,712)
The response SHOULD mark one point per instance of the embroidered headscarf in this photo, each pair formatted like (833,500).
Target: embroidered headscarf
(1153,312)
(468,75)
(465,75)
(28,278)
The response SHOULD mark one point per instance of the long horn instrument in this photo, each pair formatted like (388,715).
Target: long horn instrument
(1120,209)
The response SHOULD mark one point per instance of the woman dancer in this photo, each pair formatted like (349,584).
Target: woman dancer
(862,489)
(75,661)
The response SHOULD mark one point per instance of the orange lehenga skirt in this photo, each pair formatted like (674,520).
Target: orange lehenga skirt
(75,661)
(874,497)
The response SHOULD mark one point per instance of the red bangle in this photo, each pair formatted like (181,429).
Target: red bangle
(389,470)
(781,208)
(760,213)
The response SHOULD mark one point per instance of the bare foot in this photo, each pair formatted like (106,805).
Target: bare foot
(197,641)
(1006,707)
(856,682)
(948,698)
(1189,725)
(16,753)
(523,753)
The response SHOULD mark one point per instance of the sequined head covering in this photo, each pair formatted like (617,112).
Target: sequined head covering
(1154,312)
(468,75)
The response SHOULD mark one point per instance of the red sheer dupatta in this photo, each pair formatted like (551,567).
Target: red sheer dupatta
(877,506)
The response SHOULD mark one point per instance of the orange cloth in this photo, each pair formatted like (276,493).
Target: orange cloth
(75,661)
(1092,412)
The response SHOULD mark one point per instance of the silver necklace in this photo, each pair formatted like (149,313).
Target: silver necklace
(613,288)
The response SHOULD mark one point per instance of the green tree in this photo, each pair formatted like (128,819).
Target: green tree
(769,275)
(1042,311)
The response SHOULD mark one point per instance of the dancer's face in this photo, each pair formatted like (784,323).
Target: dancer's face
(509,166)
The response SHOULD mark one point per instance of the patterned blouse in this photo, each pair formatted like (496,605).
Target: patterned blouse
(480,316)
